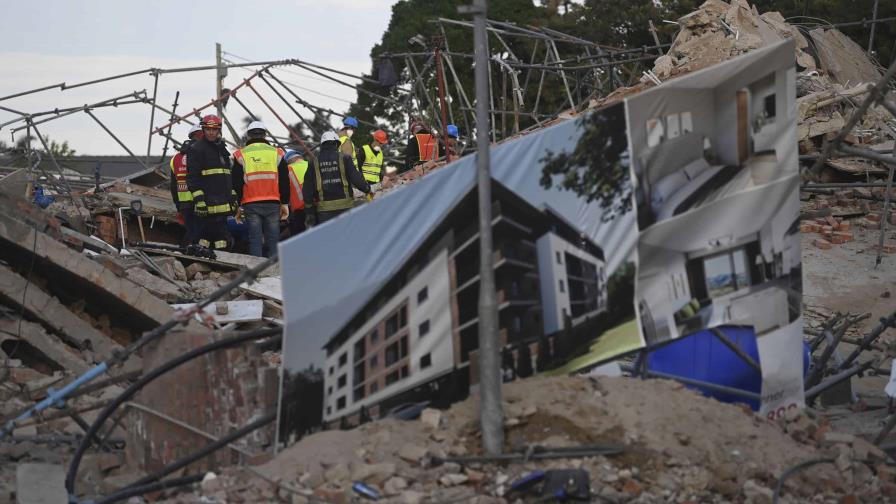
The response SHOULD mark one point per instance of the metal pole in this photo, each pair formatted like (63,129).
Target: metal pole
(873,26)
(152,113)
(440,77)
(220,73)
(289,105)
(170,124)
(491,414)
(292,133)
(123,146)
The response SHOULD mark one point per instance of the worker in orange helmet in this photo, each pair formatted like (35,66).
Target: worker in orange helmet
(208,179)
(370,159)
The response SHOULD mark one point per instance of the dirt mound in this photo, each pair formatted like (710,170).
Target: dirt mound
(678,446)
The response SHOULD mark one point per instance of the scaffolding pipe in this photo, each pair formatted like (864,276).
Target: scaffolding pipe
(135,95)
(123,146)
(152,113)
(292,132)
(289,105)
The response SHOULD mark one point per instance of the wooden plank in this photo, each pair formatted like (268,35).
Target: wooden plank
(52,348)
(267,288)
(53,314)
(856,166)
(237,311)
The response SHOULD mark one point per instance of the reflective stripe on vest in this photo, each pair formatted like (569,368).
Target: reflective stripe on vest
(344,139)
(216,171)
(296,178)
(373,165)
(427,146)
(260,162)
(343,203)
(179,172)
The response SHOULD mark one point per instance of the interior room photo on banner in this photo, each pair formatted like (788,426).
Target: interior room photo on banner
(715,161)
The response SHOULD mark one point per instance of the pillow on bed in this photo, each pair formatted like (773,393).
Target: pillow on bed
(664,188)
(671,155)
(695,168)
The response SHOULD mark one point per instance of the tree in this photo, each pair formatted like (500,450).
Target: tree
(597,169)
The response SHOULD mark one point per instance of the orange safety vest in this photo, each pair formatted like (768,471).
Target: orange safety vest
(179,172)
(260,162)
(427,146)
(296,179)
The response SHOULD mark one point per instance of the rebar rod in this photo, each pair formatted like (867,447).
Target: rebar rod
(885,322)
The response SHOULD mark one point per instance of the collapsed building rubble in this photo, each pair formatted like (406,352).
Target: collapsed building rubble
(70,299)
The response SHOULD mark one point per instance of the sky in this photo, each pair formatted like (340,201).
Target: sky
(54,41)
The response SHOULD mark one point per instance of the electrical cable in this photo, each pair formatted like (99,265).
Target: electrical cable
(146,379)
(793,470)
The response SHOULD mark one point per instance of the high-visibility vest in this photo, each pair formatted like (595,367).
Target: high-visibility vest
(260,162)
(427,146)
(333,191)
(296,179)
(373,165)
(179,172)
(344,139)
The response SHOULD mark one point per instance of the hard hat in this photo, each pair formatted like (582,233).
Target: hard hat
(211,121)
(195,129)
(350,121)
(329,136)
(290,154)
(452,131)
(256,125)
(380,136)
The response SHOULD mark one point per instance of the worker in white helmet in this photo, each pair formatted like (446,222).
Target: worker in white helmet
(261,181)
(327,184)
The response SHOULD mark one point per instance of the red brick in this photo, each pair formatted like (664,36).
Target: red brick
(843,226)
(889,248)
(831,221)
(838,240)
(873,217)
(808,227)
(822,244)
(632,488)
(846,235)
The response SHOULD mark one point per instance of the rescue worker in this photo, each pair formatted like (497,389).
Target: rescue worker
(297,168)
(349,125)
(261,181)
(208,179)
(370,159)
(328,182)
(422,146)
(182,197)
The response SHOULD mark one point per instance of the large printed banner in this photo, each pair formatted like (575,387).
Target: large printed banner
(638,225)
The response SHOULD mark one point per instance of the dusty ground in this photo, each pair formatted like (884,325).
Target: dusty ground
(678,447)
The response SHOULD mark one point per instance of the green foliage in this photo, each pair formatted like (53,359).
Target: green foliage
(597,167)
(621,292)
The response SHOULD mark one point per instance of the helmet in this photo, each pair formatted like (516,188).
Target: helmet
(211,121)
(290,154)
(350,121)
(329,136)
(380,136)
(195,129)
(256,125)
(452,131)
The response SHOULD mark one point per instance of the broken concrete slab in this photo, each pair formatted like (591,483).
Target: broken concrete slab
(53,314)
(129,301)
(237,311)
(161,288)
(40,484)
(843,59)
(52,348)
(267,288)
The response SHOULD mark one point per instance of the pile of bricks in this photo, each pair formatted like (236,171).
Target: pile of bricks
(834,231)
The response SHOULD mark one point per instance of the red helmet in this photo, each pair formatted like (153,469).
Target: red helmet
(211,121)
(380,136)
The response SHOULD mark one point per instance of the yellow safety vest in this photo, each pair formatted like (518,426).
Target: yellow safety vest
(373,165)
(296,179)
(179,172)
(344,139)
(260,162)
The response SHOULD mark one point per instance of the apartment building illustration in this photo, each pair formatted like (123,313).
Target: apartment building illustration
(422,325)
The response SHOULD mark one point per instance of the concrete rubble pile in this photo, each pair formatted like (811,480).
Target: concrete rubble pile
(69,299)
(734,456)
